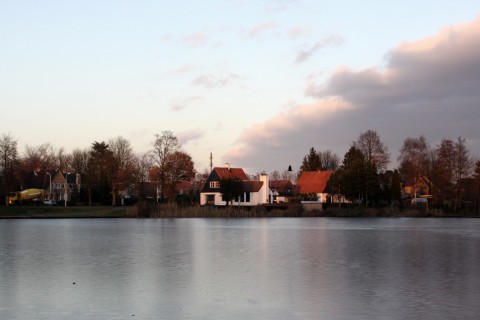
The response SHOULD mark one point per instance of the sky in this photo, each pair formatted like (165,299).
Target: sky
(255,83)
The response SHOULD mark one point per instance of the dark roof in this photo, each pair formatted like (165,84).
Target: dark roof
(314,181)
(282,186)
(252,185)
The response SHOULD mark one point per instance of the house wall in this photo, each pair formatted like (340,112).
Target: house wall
(265,190)
(256,198)
(322,197)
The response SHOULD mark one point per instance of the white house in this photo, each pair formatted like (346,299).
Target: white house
(255,192)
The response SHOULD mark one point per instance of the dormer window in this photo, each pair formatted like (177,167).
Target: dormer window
(214,184)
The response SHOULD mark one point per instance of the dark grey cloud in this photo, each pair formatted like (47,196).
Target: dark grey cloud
(429,87)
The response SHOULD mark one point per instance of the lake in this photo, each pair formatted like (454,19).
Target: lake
(279,268)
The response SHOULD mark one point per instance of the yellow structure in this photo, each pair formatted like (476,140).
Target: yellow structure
(27,196)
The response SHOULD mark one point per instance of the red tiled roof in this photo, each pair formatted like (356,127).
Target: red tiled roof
(230,173)
(314,181)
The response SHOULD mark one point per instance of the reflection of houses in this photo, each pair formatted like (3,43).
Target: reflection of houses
(282,190)
(61,187)
(255,192)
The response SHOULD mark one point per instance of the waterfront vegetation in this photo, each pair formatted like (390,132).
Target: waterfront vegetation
(111,173)
(170,211)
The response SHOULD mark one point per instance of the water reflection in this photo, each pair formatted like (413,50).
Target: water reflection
(240,269)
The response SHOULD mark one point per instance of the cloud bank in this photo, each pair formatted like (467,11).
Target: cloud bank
(429,87)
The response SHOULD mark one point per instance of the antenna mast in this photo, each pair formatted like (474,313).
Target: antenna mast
(211,162)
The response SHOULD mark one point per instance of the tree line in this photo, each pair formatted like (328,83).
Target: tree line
(106,167)
(109,166)
(448,169)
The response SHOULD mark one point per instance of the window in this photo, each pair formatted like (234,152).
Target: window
(214,184)
(247,199)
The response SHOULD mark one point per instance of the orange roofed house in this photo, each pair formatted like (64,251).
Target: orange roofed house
(314,182)
(255,192)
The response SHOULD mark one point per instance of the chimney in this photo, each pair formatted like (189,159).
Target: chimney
(228,166)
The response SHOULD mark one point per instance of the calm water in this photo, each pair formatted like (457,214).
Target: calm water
(310,268)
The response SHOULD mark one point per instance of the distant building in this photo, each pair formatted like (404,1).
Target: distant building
(314,182)
(282,190)
(255,192)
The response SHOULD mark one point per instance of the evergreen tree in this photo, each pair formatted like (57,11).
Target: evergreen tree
(311,162)
(356,178)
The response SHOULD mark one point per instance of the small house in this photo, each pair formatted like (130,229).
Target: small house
(253,193)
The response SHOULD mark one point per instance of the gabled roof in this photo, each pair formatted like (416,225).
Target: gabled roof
(313,181)
(282,186)
(230,173)
(220,173)
(252,185)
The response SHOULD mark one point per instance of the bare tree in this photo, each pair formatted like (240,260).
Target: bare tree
(442,164)
(40,158)
(121,165)
(463,160)
(374,150)
(414,158)
(61,160)
(329,160)
(164,145)
(143,165)
(463,165)
(275,175)
(8,162)
(79,161)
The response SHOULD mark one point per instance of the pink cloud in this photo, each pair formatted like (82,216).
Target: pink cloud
(196,39)
(213,81)
(184,69)
(427,87)
(261,28)
(298,32)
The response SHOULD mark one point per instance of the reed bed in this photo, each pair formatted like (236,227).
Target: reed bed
(153,210)
(170,211)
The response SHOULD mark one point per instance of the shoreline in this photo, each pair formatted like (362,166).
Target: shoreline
(171,211)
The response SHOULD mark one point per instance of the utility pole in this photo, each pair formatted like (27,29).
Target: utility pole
(211,162)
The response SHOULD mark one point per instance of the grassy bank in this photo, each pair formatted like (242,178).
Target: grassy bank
(40,212)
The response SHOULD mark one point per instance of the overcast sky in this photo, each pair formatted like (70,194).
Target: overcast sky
(257,83)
